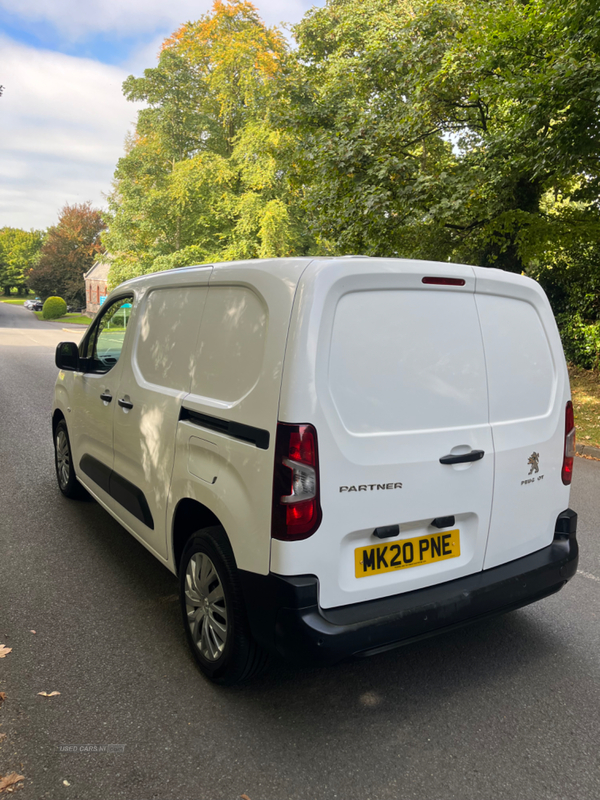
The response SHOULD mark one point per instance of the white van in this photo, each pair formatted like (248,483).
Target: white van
(335,455)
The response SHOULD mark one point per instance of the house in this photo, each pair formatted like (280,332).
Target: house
(96,286)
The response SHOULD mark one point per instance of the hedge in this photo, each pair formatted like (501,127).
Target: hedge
(53,308)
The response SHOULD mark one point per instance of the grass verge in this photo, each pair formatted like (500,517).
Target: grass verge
(77,319)
(14,301)
(585,390)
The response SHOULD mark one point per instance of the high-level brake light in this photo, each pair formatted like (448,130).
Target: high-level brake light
(444,281)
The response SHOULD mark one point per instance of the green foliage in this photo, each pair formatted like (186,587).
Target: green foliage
(19,251)
(581,340)
(439,129)
(53,308)
(68,252)
(205,176)
(436,129)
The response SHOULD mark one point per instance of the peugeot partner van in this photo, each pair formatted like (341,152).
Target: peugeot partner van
(335,455)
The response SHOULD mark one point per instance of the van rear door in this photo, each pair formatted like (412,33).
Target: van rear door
(390,370)
(528,390)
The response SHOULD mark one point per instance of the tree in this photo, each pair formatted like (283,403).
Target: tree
(69,250)
(448,129)
(204,175)
(19,252)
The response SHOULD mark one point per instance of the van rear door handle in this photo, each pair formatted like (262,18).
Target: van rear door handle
(474,455)
(125,403)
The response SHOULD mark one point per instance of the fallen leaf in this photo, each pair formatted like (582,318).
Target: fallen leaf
(244,797)
(4,650)
(52,694)
(2,736)
(10,780)
(2,697)
(31,631)
(66,783)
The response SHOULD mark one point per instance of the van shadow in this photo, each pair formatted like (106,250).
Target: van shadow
(475,667)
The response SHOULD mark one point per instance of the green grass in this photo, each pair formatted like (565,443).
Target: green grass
(73,319)
(585,390)
(14,301)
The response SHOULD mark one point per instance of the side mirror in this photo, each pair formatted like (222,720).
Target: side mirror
(67,356)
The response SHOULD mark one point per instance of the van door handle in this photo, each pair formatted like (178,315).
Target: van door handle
(106,396)
(125,403)
(474,455)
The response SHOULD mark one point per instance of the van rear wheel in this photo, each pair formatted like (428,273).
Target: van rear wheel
(213,610)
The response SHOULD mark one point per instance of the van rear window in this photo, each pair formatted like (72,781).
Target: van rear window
(407,360)
(521,371)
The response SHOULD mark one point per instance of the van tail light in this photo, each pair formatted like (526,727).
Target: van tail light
(296,501)
(567,468)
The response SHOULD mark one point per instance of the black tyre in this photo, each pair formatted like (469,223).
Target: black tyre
(214,613)
(63,462)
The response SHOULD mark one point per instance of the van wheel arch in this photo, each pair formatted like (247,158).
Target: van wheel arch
(214,610)
(56,418)
(189,518)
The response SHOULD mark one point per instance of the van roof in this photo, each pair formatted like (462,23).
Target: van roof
(290,269)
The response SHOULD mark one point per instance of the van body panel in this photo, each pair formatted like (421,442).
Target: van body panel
(393,378)
(154,378)
(529,390)
(391,372)
(231,497)
(236,380)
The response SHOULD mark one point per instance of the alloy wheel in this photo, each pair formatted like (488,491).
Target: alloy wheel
(206,609)
(63,459)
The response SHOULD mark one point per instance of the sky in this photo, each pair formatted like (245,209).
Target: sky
(63,117)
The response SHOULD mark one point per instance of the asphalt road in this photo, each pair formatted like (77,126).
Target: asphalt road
(506,708)
(13,316)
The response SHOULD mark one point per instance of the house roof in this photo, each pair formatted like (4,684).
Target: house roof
(98,272)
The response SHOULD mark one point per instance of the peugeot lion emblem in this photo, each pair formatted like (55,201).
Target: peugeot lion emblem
(534,463)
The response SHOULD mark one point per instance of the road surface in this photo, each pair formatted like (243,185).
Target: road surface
(503,709)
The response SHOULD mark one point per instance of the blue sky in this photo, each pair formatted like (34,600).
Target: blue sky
(101,46)
(63,119)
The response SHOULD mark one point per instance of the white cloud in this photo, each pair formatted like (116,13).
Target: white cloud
(128,17)
(63,122)
(63,119)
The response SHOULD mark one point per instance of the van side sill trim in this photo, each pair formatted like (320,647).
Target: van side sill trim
(120,489)
(237,430)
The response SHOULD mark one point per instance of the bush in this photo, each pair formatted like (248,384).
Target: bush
(581,340)
(53,308)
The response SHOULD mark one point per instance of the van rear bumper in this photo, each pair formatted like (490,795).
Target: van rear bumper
(285,617)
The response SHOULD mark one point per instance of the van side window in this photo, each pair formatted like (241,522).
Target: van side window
(168,329)
(105,343)
(231,344)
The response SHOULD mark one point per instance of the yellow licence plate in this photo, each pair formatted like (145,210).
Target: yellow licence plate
(378,558)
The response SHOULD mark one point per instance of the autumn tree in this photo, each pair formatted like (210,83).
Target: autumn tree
(204,176)
(69,250)
(19,251)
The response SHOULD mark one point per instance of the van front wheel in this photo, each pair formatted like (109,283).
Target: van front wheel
(63,463)
(213,610)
